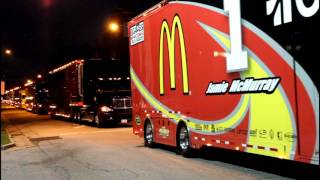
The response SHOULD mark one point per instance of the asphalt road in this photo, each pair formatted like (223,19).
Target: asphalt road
(58,150)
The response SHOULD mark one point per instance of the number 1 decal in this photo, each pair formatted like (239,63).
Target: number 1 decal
(237,59)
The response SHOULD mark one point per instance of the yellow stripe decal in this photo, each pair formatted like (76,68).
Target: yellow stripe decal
(270,114)
(198,125)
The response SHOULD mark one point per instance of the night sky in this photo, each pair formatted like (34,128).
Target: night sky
(44,34)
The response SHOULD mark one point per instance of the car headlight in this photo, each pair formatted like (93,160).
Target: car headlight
(106,109)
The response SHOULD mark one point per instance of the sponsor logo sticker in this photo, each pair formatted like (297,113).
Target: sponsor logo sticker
(137,34)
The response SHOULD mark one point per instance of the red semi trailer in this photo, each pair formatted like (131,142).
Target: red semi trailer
(238,76)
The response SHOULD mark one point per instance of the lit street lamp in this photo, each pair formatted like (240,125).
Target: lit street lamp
(113,27)
(117,36)
(8,52)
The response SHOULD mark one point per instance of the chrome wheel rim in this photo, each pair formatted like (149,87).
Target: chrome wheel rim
(96,118)
(183,138)
(149,133)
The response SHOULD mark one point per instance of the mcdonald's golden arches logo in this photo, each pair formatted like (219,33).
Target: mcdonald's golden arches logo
(176,24)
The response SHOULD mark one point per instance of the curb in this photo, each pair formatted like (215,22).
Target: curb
(7,146)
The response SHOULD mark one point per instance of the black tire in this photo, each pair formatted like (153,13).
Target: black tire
(183,141)
(148,134)
(52,116)
(75,116)
(79,117)
(97,121)
(92,119)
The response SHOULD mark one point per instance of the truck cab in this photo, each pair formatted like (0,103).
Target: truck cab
(93,90)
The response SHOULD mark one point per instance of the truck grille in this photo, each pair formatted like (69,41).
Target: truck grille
(122,104)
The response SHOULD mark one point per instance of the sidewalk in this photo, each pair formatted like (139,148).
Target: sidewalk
(16,137)
(6,140)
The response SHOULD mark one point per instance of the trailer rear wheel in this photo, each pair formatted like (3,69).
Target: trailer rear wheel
(148,134)
(97,121)
(78,117)
(183,142)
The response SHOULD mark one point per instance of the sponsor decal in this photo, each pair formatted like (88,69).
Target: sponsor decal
(253,132)
(280,135)
(232,130)
(137,34)
(263,133)
(206,127)
(164,132)
(170,35)
(289,136)
(282,10)
(198,127)
(138,120)
(213,128)
(243,131)
(271,133)
(247,85)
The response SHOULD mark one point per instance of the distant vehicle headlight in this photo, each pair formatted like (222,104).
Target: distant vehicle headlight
(39,105)
(52,106)
(106,109)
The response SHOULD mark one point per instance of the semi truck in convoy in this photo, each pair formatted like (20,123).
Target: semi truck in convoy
(14,97)
(27,95)
(237,75)
(34,96)
(91,90)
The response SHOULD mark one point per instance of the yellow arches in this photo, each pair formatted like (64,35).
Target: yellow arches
(176,24)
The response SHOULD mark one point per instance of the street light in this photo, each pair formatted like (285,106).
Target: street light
(7,55)
(8,52)
(113,27)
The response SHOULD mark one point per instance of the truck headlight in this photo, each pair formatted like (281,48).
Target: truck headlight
(106,109)
(52,107)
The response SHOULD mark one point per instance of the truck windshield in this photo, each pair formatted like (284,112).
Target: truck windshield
(113,85)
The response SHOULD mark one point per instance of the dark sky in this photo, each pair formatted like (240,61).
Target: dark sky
(46,33)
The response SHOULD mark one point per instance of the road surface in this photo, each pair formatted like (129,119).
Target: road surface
(62,150)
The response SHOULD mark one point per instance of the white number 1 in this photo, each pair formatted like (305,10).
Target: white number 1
(237,59)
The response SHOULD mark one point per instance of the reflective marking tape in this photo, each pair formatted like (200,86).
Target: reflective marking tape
(260,147)
(203,139)
(196,138)
(218,141)
(274,149)
(226,142)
